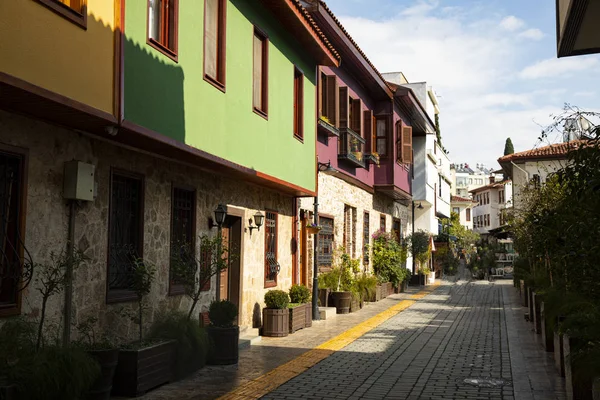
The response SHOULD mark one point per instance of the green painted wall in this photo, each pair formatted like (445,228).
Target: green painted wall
(173,98)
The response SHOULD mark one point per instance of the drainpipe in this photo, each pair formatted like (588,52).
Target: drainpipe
(315,295)
(69,276)
(413,232)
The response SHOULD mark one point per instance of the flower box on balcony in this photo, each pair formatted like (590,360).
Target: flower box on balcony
(371,158)
(328,128)
(350,148)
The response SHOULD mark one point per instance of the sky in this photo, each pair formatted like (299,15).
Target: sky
(492,63)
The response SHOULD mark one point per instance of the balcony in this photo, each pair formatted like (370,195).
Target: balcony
(351,148)
(327,128)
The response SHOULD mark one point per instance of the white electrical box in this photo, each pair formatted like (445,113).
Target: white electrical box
(79,181)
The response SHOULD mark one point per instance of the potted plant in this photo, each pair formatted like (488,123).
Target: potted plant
(223,333)
(342,296)
(313,228)
(419,244)
(276,316)
(300,309)
(137,358)
(365,286)
(104,351)
(388,257)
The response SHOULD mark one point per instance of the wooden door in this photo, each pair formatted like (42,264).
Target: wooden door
(224,279)
(303,253)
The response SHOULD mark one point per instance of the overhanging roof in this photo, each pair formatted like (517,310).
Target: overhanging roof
(411,106)
(577,28)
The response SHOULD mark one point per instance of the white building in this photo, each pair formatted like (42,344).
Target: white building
(491,202)
(463,206)
(466,178)
(534,166)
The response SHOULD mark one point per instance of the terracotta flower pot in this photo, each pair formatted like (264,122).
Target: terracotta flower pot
(276,322)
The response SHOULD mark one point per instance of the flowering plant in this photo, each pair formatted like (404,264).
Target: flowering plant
(313,225)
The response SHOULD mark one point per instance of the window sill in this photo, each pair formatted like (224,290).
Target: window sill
(163,49)
(10,311)
(270,284)
(299,138)
(260,112)
(176,290)
(67,12)
(215,83)
(120,296)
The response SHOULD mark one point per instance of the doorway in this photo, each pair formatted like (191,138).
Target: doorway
(303,251)
(229,288)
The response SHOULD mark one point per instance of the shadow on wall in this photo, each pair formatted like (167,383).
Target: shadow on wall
(256,316)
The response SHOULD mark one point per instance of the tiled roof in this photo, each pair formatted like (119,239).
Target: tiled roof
(557,150)
(316,28)
(458,199)
(352,41)
(494,185)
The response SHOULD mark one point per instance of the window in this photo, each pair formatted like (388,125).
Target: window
(162,26)
(214,42)
(183,232)
(260,73)
(397,229)
(382,222)
(72,10)
(381,136)
(501,196)
(298,104)
(125,233)
(536,180)
(12,185)
(355,117)
(439,185)
(468,214)
(325,243)
(350,230)
(271,264)
(366,238)
(329,93)
(456,210)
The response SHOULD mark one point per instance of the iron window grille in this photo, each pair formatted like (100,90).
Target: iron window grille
(272,267)
(325,244)
(182,232)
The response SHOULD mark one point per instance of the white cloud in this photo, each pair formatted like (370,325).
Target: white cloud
(554,67)
(533,34)
(420,8)
(512,23)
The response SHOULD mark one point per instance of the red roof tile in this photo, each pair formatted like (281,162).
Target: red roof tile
(458,199)
(316,28)
(557,150)
(494,185)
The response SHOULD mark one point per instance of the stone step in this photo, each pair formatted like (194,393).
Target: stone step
(248,337)
(327,313)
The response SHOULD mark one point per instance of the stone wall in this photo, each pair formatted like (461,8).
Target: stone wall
(335,194)
(47,221)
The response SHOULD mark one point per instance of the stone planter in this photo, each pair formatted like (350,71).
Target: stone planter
(276,323)
(547,330)
(297,319)
(324,297)
(108,360)
(524,301)
(225,342)
(577,387)
(537,318)
(376,296)
(143,369)
(308,315)
(341,301)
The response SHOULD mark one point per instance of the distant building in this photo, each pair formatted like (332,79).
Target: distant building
(491,201)
(466,178)
(463,206)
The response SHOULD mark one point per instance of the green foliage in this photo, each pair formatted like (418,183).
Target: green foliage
(223,313)
(193,271)
(365,286)
(143,274)
(192,341)
(329,280)
(508,147)
(420,250)
(277,299)
(388,258)
(50,372)
(300,294)
(89,339)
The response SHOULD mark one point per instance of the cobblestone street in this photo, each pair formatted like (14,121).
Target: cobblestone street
(464,341)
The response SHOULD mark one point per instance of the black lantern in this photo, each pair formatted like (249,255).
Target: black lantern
(258,221)
(220,215)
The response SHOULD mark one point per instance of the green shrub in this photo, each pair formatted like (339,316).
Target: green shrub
(192,341)
(299,294)
(222,313)
(329,280)
(365,286)
(277,299)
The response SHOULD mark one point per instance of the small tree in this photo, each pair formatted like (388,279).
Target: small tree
(142,277)
(195,272)
(388,257)
(420,250)
(508,147)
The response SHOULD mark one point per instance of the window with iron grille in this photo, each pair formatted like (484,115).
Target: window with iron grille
(350,230)
(125,233)
(183,217)
(271,264)
(382,222)
(11,234)
(366,238)
(397,229)
(325,244)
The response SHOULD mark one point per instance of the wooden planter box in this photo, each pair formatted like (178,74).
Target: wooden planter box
(559,356)
(226,344)
(324,297)
(308,318)
(342,301)
(107,360)
(141,370)
(577,389)
(530,303)
(547,330)
(376,296)
(355,304)
(390,288)
(297,319)
(276,323)
(536,308)
(524,301)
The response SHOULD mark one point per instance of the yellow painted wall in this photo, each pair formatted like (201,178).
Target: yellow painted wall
(45,49)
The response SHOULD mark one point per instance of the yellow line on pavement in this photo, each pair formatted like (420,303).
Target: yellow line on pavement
(270,381)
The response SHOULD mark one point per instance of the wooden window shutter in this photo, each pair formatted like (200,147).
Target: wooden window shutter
(399,138)
(356,115)
(407,144)
(331,108)
(368,129)
(343,106)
